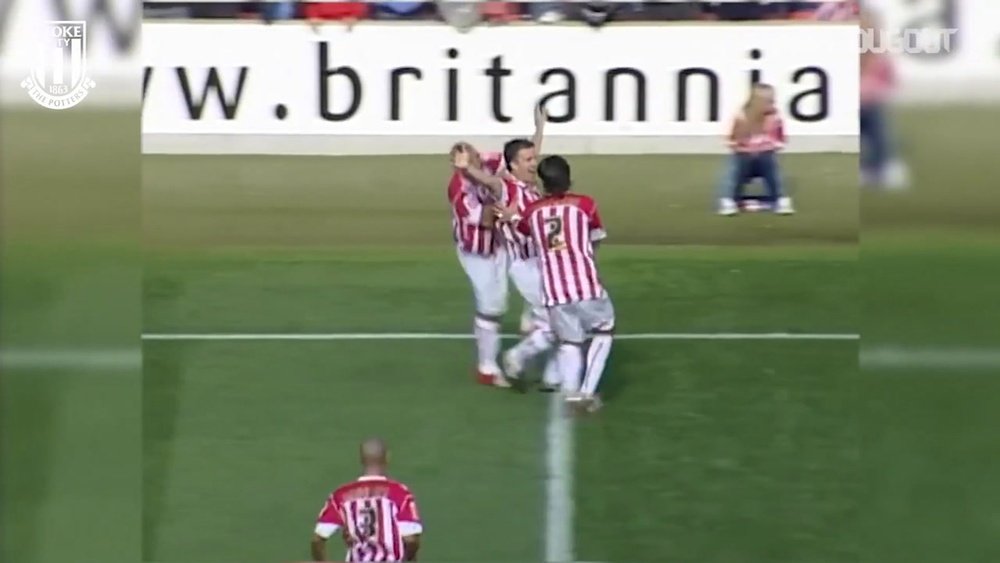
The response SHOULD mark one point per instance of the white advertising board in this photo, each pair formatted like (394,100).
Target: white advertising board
(431,80)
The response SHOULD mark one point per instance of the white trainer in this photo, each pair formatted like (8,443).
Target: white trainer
(896,176)
(785,206)
(728,207)
(512,366)
(500,380)
(594,403)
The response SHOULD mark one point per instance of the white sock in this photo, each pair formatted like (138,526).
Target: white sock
(597,358)
(488,345)
(527,320)
(551,376)
(570,358)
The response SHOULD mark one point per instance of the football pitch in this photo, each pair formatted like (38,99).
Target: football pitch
(710,449)
(294,305)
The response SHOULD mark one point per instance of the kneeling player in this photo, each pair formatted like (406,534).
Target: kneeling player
(565,228)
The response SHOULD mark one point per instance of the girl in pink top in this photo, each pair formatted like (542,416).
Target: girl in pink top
(880,163)
(756,137)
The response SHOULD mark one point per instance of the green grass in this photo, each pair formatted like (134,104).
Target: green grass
(699,439)
(69,281)
(707,451)
(928,271)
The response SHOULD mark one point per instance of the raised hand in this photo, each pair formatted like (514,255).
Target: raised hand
(541,116)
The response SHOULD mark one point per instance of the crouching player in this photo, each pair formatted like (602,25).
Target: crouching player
(756,137)
(565,228)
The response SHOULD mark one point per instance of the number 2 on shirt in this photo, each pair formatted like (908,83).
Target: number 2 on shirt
(554,238)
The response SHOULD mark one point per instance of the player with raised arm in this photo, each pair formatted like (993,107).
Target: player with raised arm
(566,227)
(377,516)
(518,189)
(479,253)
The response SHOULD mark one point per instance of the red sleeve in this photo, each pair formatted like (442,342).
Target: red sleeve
(492,162)
(589,206)
(331,513)
(408,511)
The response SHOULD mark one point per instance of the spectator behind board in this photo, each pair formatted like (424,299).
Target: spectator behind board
(404,10)
(463,16)
(346,12)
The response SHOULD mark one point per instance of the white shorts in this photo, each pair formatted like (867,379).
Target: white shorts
(574,322)
(527,278)
(488,275)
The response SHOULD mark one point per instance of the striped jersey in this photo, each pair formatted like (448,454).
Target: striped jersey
(373,513)
(564,228)
(468,199)
(519,246)
(768,136)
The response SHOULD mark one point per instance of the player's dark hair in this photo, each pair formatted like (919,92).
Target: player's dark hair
(514,146)
(555,174)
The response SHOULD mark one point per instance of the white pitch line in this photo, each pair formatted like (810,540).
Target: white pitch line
(558,483)
(466,336)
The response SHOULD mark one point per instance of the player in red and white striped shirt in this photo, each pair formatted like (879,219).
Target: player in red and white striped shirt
(518,189)
(479,253)
(524,266)
(377,516)
(565,228)
(756,136)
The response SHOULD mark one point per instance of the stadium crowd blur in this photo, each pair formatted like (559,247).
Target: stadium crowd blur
(466,14)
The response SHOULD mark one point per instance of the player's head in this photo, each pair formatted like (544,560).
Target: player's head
(555,175)
(374,454)
(761,98)
(519,154)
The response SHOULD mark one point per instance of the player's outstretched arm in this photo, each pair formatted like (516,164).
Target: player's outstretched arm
(541,117)
(411,545)
(318,548)
(461,160)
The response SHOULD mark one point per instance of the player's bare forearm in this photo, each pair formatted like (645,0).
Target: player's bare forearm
(540,118)
(536,139)
(318,549)
(411,545)
(489,218)
(494,183)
